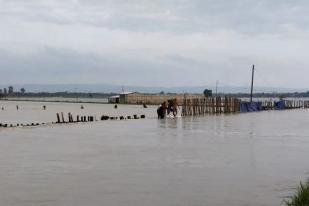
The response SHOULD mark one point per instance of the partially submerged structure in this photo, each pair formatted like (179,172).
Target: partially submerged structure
(215,105)
(152,99)
(114,99)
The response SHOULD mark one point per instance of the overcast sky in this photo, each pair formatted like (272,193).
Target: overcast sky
(155,42)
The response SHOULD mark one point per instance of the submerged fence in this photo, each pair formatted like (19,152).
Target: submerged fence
(219,105)
(285,104)
(210,105)
(79,119)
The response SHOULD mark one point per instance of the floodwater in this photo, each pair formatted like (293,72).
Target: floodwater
(33,112)
(59,99)
(233,160)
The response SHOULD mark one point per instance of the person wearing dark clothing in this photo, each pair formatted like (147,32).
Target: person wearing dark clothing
(169,106)
(162,111)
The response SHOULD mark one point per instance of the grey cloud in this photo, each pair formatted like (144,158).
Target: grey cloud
(65,66)
(160,42)
(246,16)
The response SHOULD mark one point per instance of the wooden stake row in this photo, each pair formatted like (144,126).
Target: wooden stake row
(61,120)
(210,105)
(289,104)
(93,118)
(218,105)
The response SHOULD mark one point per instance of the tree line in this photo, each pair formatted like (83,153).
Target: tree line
(10,92)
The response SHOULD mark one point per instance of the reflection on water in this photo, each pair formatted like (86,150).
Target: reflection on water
(241,159)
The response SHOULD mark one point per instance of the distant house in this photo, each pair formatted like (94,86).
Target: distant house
(143,98)
(121,98)
(114,99)
(126,97)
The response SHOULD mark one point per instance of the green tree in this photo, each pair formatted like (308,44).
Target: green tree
(23,90)
(11,90)
(207,93)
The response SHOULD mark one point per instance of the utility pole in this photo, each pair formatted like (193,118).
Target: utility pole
(251,95)
(217,82)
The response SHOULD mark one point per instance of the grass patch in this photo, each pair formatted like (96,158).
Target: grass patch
(301,197)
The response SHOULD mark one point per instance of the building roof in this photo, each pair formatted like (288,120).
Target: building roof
(113,97)
(126,93)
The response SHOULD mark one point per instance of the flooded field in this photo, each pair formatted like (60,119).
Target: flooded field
(32,112)
(233,160)
(59,99)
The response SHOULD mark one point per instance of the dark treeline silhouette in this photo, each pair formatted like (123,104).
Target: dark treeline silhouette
(106,95)
(56,94)
(9,92)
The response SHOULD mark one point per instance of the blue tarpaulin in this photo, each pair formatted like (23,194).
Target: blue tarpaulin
(250,106)
(280,105)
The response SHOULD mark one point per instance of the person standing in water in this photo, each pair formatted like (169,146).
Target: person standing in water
(169,106)
(175,107)
(161,111)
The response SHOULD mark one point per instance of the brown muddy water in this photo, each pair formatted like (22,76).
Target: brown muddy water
(233,160)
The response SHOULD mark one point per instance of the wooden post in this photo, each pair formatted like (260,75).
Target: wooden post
(62,117)
(58,118)
(251,94)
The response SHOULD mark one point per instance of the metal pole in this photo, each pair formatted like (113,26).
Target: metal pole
(251,95)
(217,88)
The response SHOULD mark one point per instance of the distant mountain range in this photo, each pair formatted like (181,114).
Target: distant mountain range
(106,88)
